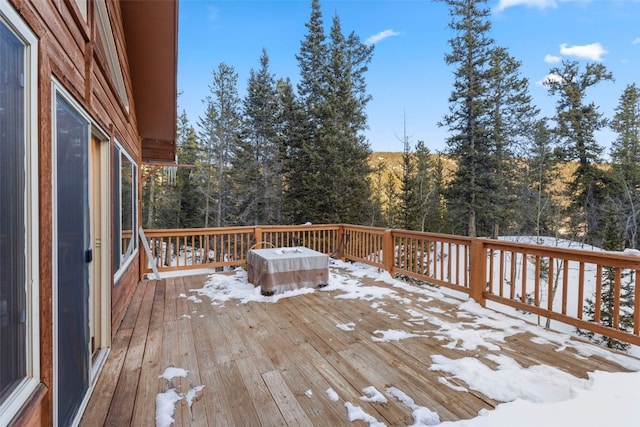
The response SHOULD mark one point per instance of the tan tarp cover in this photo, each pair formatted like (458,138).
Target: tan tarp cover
(280,269)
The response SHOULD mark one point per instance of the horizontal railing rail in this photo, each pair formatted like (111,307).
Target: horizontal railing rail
(556,284)
(185,249)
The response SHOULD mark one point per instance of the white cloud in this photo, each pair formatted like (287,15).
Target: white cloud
(552,59)
(381,36)
(592,51)
(636,41)
(540,4)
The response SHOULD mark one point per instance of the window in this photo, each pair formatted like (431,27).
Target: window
(19,370)
(107,45)
(126,204)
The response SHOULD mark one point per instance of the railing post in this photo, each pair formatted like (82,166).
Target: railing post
(342,237)
(388,252)
(478,271)
(257,234)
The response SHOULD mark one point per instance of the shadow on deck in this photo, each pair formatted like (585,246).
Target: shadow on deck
(272,363)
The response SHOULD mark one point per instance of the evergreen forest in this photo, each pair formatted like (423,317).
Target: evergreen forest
(286,154)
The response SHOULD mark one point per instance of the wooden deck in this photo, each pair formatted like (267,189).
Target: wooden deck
(270,364)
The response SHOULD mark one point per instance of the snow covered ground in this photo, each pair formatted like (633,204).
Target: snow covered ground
(537,395)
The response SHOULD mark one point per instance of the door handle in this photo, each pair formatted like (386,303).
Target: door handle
(88,255)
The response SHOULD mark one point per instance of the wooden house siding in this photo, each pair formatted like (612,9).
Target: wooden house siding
(69,53)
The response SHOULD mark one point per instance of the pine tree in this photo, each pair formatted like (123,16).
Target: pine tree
(255,171)
(219,132)
(428,178)
(312,61)
(625,162)
(191,200)
(613,240)
(437,207)
(408,193)
(378,214)
(576,124)
(391,200)
(341,139)
(328,168)
(469,194)
(303,157)
(512,116)
(539,203)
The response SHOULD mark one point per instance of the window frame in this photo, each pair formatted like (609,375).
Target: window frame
(120,264)
(12,404)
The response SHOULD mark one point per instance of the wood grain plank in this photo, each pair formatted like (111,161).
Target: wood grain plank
(170,300)
(123,401)
(148,388)
(133,309)
(98,407)
(194,415)
(286,401)
(267,410)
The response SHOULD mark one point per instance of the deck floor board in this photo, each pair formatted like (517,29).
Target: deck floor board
(272,364)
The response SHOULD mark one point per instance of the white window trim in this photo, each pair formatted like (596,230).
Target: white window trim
(133,255)
(58,90)
(10,407)
(104,26)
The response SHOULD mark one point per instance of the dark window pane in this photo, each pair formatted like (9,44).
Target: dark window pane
(73,232)
(125,217)
(127,175)
(13,310)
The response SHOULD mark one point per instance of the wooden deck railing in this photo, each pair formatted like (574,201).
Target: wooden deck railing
(228,247)
(550,282)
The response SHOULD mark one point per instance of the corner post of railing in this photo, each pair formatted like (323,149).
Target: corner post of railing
(478,271)
(388,252)
(257,235)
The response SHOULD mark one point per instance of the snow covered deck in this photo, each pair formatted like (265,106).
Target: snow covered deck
(210,350)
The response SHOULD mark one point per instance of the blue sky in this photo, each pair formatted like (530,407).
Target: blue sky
(408,78)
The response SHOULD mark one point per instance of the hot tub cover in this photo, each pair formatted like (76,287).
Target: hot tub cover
(277,270)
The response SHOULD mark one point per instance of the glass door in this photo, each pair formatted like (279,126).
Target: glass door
(74,257)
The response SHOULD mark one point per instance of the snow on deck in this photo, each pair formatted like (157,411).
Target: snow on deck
(211,350)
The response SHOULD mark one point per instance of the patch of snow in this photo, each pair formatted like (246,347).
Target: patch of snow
(392,335)
(373,395)
(192,394)
(356,413)
(609,399)
(171,372)
(537,383)
(331,393)
(346,326)
(166,406)
(422,416)
(222,288)
(445,381)
(181,273)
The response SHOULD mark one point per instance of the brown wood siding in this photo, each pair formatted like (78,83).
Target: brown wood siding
(66,51)
(122,293)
